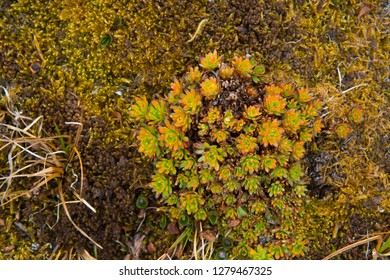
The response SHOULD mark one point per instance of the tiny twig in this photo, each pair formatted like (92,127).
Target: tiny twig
(195,244)
(198,30)
(339,73)
(35,43)
(84,201)
(142,221)
(81,170)
(70,218)
(294,42)
(353,245)
(202,239)
(352,88)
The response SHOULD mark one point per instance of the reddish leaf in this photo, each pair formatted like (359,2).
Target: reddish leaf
(364,10)
(234,223)
(179,250)
(117,115)
(172,228)
(151,248)
(208,235)
(9,248)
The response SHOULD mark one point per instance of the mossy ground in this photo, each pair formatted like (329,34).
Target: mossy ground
(329,46)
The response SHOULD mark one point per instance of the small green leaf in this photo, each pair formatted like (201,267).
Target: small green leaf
(106,40)
(253,61)
(241,212)
(385,246)
(142,202)
(64,147)
(259,70)
(163,222)
(213,217)
(118,21)
(184,220)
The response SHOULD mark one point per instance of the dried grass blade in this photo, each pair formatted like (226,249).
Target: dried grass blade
(81,170)
(17,129)
(353,245)
(85,255)
(70,218)
(27,128)
(84,201)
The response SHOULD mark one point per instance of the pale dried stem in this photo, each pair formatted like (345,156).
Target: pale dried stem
(353,245)
(70,218)
(52,166)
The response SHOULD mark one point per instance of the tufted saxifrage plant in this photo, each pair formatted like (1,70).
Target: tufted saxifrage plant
(227,151)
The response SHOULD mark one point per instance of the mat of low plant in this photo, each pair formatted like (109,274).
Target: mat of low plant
(226,147)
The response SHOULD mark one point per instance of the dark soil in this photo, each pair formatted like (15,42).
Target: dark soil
(110,181)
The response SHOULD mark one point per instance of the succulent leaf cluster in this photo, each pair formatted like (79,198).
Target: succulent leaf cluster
(344,129)
(227,148)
